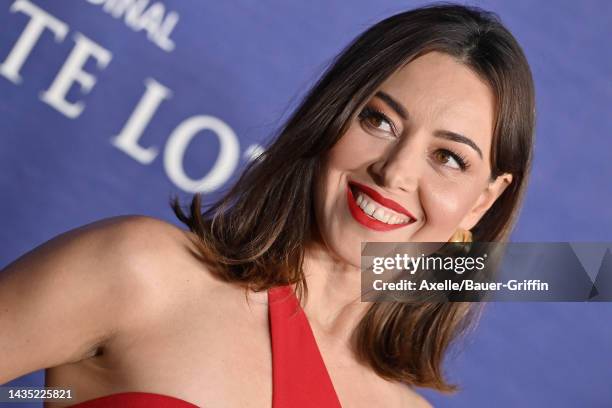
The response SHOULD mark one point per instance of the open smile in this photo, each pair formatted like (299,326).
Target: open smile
(374,211)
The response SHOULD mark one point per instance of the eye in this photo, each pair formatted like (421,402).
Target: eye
(376,120)
(451,159)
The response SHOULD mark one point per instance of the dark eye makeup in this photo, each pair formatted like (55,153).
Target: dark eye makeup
(459,158)
(373,118)
(368,113)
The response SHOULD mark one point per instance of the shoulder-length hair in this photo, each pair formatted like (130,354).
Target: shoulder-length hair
(256,233)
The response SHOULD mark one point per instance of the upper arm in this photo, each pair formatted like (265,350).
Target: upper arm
(69,295)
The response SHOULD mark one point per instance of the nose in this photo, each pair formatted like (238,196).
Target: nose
(400,167)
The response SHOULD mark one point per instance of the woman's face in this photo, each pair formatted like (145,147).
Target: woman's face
(414,165)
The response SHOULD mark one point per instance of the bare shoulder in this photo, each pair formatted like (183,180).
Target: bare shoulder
(80,288)
(159,256)
(128,257)
(164,264)
(136,238)
(136,250)
(134,235)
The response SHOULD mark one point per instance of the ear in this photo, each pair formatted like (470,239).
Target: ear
(486,199)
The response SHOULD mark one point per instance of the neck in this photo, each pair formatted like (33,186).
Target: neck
(333,304)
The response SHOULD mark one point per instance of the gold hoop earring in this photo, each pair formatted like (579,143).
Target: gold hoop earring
(461,235)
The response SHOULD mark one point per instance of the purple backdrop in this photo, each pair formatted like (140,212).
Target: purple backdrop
(104,115)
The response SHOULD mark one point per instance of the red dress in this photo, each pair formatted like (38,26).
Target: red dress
(299,376)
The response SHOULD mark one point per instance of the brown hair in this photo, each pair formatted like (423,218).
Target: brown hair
(256,233)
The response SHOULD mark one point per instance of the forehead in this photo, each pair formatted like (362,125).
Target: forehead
(441,93)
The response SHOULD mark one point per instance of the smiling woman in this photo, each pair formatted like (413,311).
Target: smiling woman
(441,175)
(420,131)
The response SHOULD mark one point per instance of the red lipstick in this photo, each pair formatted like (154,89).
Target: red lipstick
(371,222)
(387,202)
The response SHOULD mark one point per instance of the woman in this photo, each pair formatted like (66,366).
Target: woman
(420,131)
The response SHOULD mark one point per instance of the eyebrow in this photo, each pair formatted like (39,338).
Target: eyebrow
(444,134)
(393,104)
(456,137)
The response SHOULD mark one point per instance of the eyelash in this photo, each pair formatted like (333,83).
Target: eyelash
(370,112)
(459,158)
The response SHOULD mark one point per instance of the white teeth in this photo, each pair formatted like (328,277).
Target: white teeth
(364,204)
(374,210)
(380,215)
(369,208)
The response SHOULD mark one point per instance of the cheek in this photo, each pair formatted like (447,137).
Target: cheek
(354,149)
(445,207)
(351,154)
